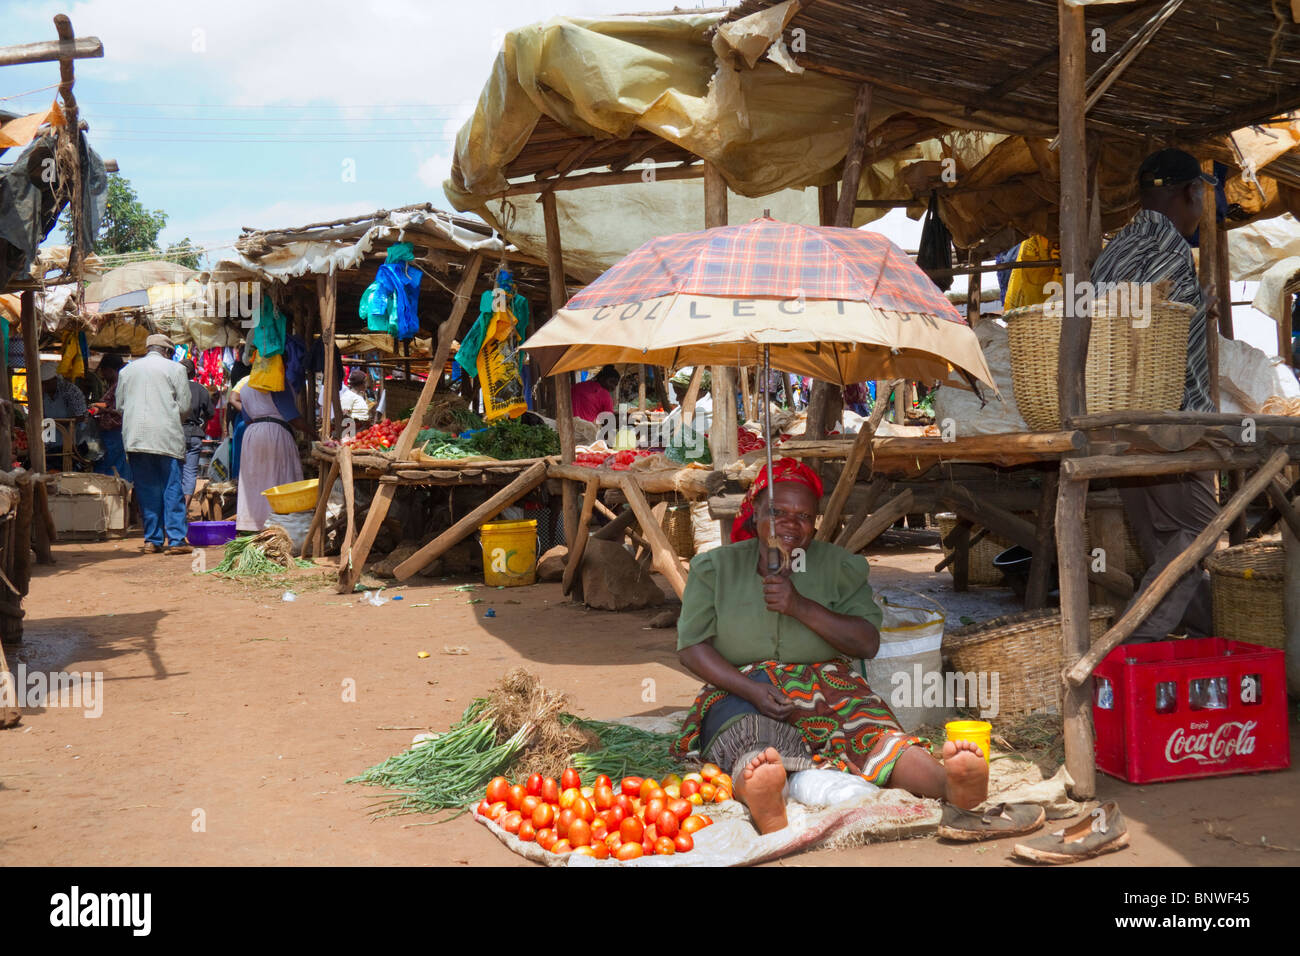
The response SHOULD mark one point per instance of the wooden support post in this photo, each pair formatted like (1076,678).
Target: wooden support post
(311,319)
(352,564)
(1076,329)
(666,561)
(900,403)
(879,485)
(1208,274)
(327,296)
(951,540)
(640,390)
(1205,543)
(6,415)
(1072,565)
(1285,508)
(852,175)
(880,521)
(503,499)
(564,381)
(35,398)
(829,526)
(315,540)
(692,395)
(746,399)
(1291,610)
(574,563)
(42,523)
(961,543)
(1223,283)
(1040,569)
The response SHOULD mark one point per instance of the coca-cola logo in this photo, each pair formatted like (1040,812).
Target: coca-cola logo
(1230,739)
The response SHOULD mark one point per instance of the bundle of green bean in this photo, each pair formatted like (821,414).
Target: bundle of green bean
(262,553)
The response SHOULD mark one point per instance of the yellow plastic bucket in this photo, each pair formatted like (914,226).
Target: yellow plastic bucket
(509,553)
(976,731)
(293,497)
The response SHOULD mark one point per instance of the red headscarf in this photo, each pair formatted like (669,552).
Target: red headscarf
(785,469)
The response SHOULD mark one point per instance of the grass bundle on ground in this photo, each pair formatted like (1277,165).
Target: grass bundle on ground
(520,728)
(267,552)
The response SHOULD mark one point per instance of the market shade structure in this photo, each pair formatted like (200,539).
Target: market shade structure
(129,285)
(841,305)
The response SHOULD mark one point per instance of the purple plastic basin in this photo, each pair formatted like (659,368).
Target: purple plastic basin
(206,534)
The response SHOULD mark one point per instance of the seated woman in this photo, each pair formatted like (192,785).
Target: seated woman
(775,649)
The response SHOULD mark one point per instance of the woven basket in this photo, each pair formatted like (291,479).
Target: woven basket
(982,573)
(681,532)
(1128,367)
(1246,583)
(1025,651)
(1135,563)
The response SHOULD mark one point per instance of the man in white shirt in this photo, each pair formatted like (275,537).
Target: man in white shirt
(352,397)
(153,393)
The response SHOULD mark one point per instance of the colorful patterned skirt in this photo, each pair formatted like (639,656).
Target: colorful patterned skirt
(838,722)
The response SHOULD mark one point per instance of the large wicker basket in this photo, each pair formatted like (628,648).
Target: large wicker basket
(1025,651)
(1246,583)
(679,529)
(981,572)
(1131,364)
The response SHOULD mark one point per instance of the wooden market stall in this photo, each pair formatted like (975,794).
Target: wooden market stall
(1038,133)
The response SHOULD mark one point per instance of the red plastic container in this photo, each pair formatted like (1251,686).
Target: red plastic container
(1175,710)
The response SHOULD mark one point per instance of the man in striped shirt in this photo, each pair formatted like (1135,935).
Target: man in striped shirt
(1167,513)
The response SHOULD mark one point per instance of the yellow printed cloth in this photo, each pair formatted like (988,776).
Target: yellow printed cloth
(1026,285)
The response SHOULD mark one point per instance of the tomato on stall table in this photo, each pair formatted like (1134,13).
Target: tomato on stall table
(600,851)
(631,830)
(497,810)
(631,786)
(681,809)
(624,803)
(564,821)
(543,815)
(568,795)
(482,808)
(612,817)
(689,788)
(603,797)
(629,851)
(583,808)
(709,771)
(708,792)
(512,821)
(515,796)
(683,843)
(613,841)
(603,781)
(570,778)
(534,785)
(527,832)
(497,790)
(673,791)
(647,785)
(584,851)
(561,847)
(528,804)
(546,838)
(550,790)
(665,847)
(579,833)
(694,823)
(599,830)
(653,808)
(666,823)
(650,835)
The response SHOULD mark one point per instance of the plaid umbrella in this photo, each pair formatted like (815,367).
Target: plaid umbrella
(842,305)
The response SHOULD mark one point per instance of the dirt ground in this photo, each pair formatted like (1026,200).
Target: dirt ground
(226,738)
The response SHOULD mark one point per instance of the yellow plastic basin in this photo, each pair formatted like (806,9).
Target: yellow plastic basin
(294,497)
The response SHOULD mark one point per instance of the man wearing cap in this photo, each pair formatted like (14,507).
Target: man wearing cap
(1167,513)
(153,394)
(59,399)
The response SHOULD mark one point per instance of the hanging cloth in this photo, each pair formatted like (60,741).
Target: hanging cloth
(268,337)
(391,303)
(467,354)
(935,250)
(267,374)
(498,362)
(72,364)
(1026,285)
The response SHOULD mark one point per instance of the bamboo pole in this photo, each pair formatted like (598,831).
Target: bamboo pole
(1075,330)
(488,510)
(563,382)
(880,521)
(849,476)
(1205,543)
(666,561)
(574,562)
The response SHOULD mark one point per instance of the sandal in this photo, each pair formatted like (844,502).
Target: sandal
(999,820)
(1102,831)
(179,549)
(151,548)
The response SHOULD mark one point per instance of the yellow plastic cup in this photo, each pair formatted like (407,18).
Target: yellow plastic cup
(977,732)
(510,553)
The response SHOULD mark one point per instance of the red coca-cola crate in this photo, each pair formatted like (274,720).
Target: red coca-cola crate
(1203,707)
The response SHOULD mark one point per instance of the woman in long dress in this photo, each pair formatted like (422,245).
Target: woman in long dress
(269,455)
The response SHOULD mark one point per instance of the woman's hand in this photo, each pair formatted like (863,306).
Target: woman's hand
(780,595)
(771,702)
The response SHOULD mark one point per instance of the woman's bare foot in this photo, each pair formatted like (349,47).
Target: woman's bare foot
(967,774)
(760,787)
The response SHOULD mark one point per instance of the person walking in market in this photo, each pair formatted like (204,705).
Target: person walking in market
(109,420)
(1167,513)
(269,452)
(195,425)
(153,395)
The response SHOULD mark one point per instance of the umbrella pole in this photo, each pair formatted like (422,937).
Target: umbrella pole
(773,555)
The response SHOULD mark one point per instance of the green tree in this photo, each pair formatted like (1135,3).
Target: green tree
(183,253)
(127,225)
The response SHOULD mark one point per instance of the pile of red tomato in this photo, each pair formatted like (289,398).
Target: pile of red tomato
(747,441)
(638,817)
(380,435)
(619,461)
(623,459)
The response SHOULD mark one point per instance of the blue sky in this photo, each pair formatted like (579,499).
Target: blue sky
(254,112)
